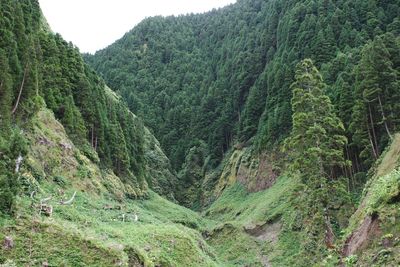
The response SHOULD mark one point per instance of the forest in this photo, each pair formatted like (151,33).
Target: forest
(279,121)
(209,82)
(48,71)
(224,77)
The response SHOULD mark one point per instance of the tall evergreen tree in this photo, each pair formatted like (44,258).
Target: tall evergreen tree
(316,144)
(375,114)
(317,139)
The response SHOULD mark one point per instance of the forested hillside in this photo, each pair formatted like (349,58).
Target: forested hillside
(280,121)
(260,91)
(39,69)
(224,77)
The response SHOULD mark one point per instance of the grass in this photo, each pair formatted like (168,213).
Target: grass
(240,210)
(86,234)
(90,232)
(391,158)
(236,204)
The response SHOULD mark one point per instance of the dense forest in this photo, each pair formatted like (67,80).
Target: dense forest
(279,120)
(39,68)
(224,77)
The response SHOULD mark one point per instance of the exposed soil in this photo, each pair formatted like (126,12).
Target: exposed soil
(262,176)
(361,237)
(265,232)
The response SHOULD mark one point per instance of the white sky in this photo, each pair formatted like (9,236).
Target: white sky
(94,24)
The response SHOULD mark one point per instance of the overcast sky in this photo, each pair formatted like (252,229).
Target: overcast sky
(94,24)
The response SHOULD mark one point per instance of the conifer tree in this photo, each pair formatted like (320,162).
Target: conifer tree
(375,114)
(316,145)
(317,138)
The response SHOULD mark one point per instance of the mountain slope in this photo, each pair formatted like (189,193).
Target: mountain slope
(80,173)
(102,226)
(373,233)
(224,77)
(208,83)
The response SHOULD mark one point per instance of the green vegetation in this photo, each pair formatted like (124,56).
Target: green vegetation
(316,146)
(260,227)
(89,234)
(100,227)
(280,119)
(40,69)
(380,202)
(225,76)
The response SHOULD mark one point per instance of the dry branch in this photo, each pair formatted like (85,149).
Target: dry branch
(68,202)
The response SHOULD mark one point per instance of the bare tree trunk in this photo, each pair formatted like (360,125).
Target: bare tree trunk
(95,144)
(375,143)
(329,234)
(350,168)
(356,153)
(92,139)
(20,91)
(372,144)
(384,118)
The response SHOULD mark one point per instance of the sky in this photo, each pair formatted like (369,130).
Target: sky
(94,24)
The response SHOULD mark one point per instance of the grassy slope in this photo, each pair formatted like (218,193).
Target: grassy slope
(160,175)
(255,229)
(272,213)
(239,228)
(90,232)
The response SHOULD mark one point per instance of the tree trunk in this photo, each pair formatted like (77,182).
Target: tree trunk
(350,168)
(20,91)
(95,144)
(384,118)
(356,157)
(92,139)
(372,143)
(375,142)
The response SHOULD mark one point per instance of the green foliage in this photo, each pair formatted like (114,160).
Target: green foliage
(315,147)
(202,83)
(11,149)
(351,260)
(224,76)
(316,141)
(373,118)
(38,69)
(191,175)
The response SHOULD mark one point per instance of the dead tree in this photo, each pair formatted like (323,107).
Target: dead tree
(68,202)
